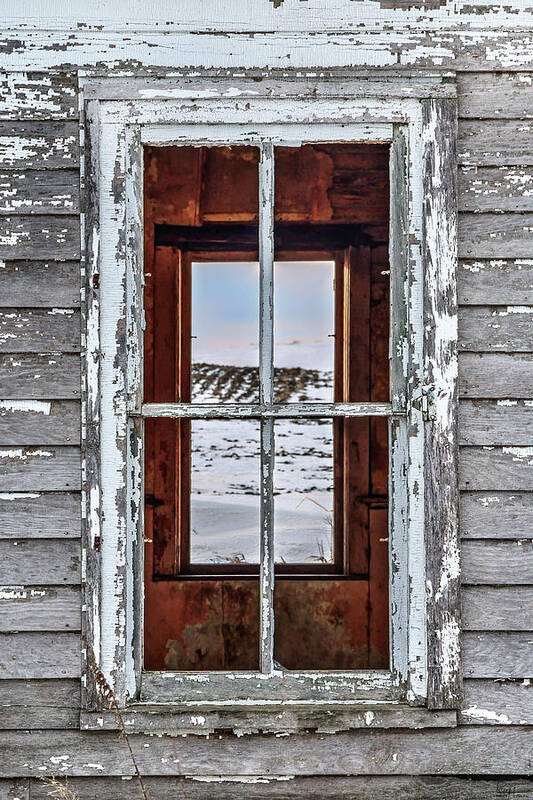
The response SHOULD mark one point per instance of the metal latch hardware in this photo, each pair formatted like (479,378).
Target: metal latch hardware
(426,403)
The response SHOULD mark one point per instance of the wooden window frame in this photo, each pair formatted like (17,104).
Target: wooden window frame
(418,118)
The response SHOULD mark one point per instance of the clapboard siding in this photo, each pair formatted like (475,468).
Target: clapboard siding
(493,375)
(38,719)
(39,145)
(38,330)
(39,655)
(31,422)
(497,654)
(50,608)
(40,236)
(37,376)
(496,514)
(497,608)
(503,563)
(495,188)
(503,328)
(491,142)
(498,468)
(494,235)
(493,422)
(495,95)
(489,702)
(40,284)
(40,562)
(495,282)
(444,751)
(41,693)
(40,469)
(39,192)
(38,95)
(39,516)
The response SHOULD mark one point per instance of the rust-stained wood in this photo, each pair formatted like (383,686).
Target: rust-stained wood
(39,469)
(37,562)
(31,422)
(505,468)
(332,787)
(40,284)
(48,376)
(498,282)
(494,235)
(40,236)
(32,608)
(497,608)
(495,328)
(440,448)
(443,752)
(40,330)
(497,702)
(40,515)
(40,655)
(496,514)
(500,563)
(494,142)
(39,145)
(496,375)
(39,192)
(496,422)
(497,655)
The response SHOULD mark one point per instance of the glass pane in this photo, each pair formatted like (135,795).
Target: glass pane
(303,486)
(304,330)
(224,492)
(225,347)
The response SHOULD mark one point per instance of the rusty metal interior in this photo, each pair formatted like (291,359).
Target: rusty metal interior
(330,199)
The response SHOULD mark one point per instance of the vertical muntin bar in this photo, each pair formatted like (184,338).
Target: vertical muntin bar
(266,382)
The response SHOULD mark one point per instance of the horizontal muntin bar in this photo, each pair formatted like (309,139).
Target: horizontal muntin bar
(258,411)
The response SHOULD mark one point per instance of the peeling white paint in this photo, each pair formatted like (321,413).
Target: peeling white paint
(26,406)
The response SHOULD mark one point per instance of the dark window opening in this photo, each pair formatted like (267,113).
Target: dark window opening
(202,345)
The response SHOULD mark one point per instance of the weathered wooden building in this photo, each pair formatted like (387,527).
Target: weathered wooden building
(394,141)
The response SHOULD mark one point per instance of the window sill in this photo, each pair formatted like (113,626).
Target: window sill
(266,717)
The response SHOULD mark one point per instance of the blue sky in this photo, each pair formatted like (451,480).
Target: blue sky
(225,299)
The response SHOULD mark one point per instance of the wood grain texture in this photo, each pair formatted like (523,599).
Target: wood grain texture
(497,655)
(495,422)
(494,375)
(495,189)
(497,282)
(39,516)
(489,702)
(14,718)
(39,145)
(494,142)
(40,331)
(495,95)
(41,693)
(40,191)
(33,96)
(496,515)
(40,469)
(39,655)
(14,789)
(316,787)
(440,448)
(39,422)
(497,608)
(46,376)
(501,328)
(500,563)
(40,284)
(30,608)
(40,236)
(40,562)
(357,753)
(494,235)
(498,468)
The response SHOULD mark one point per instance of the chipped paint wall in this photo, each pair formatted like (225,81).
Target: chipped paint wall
(43,57)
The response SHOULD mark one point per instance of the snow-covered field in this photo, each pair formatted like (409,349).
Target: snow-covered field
(225,471)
